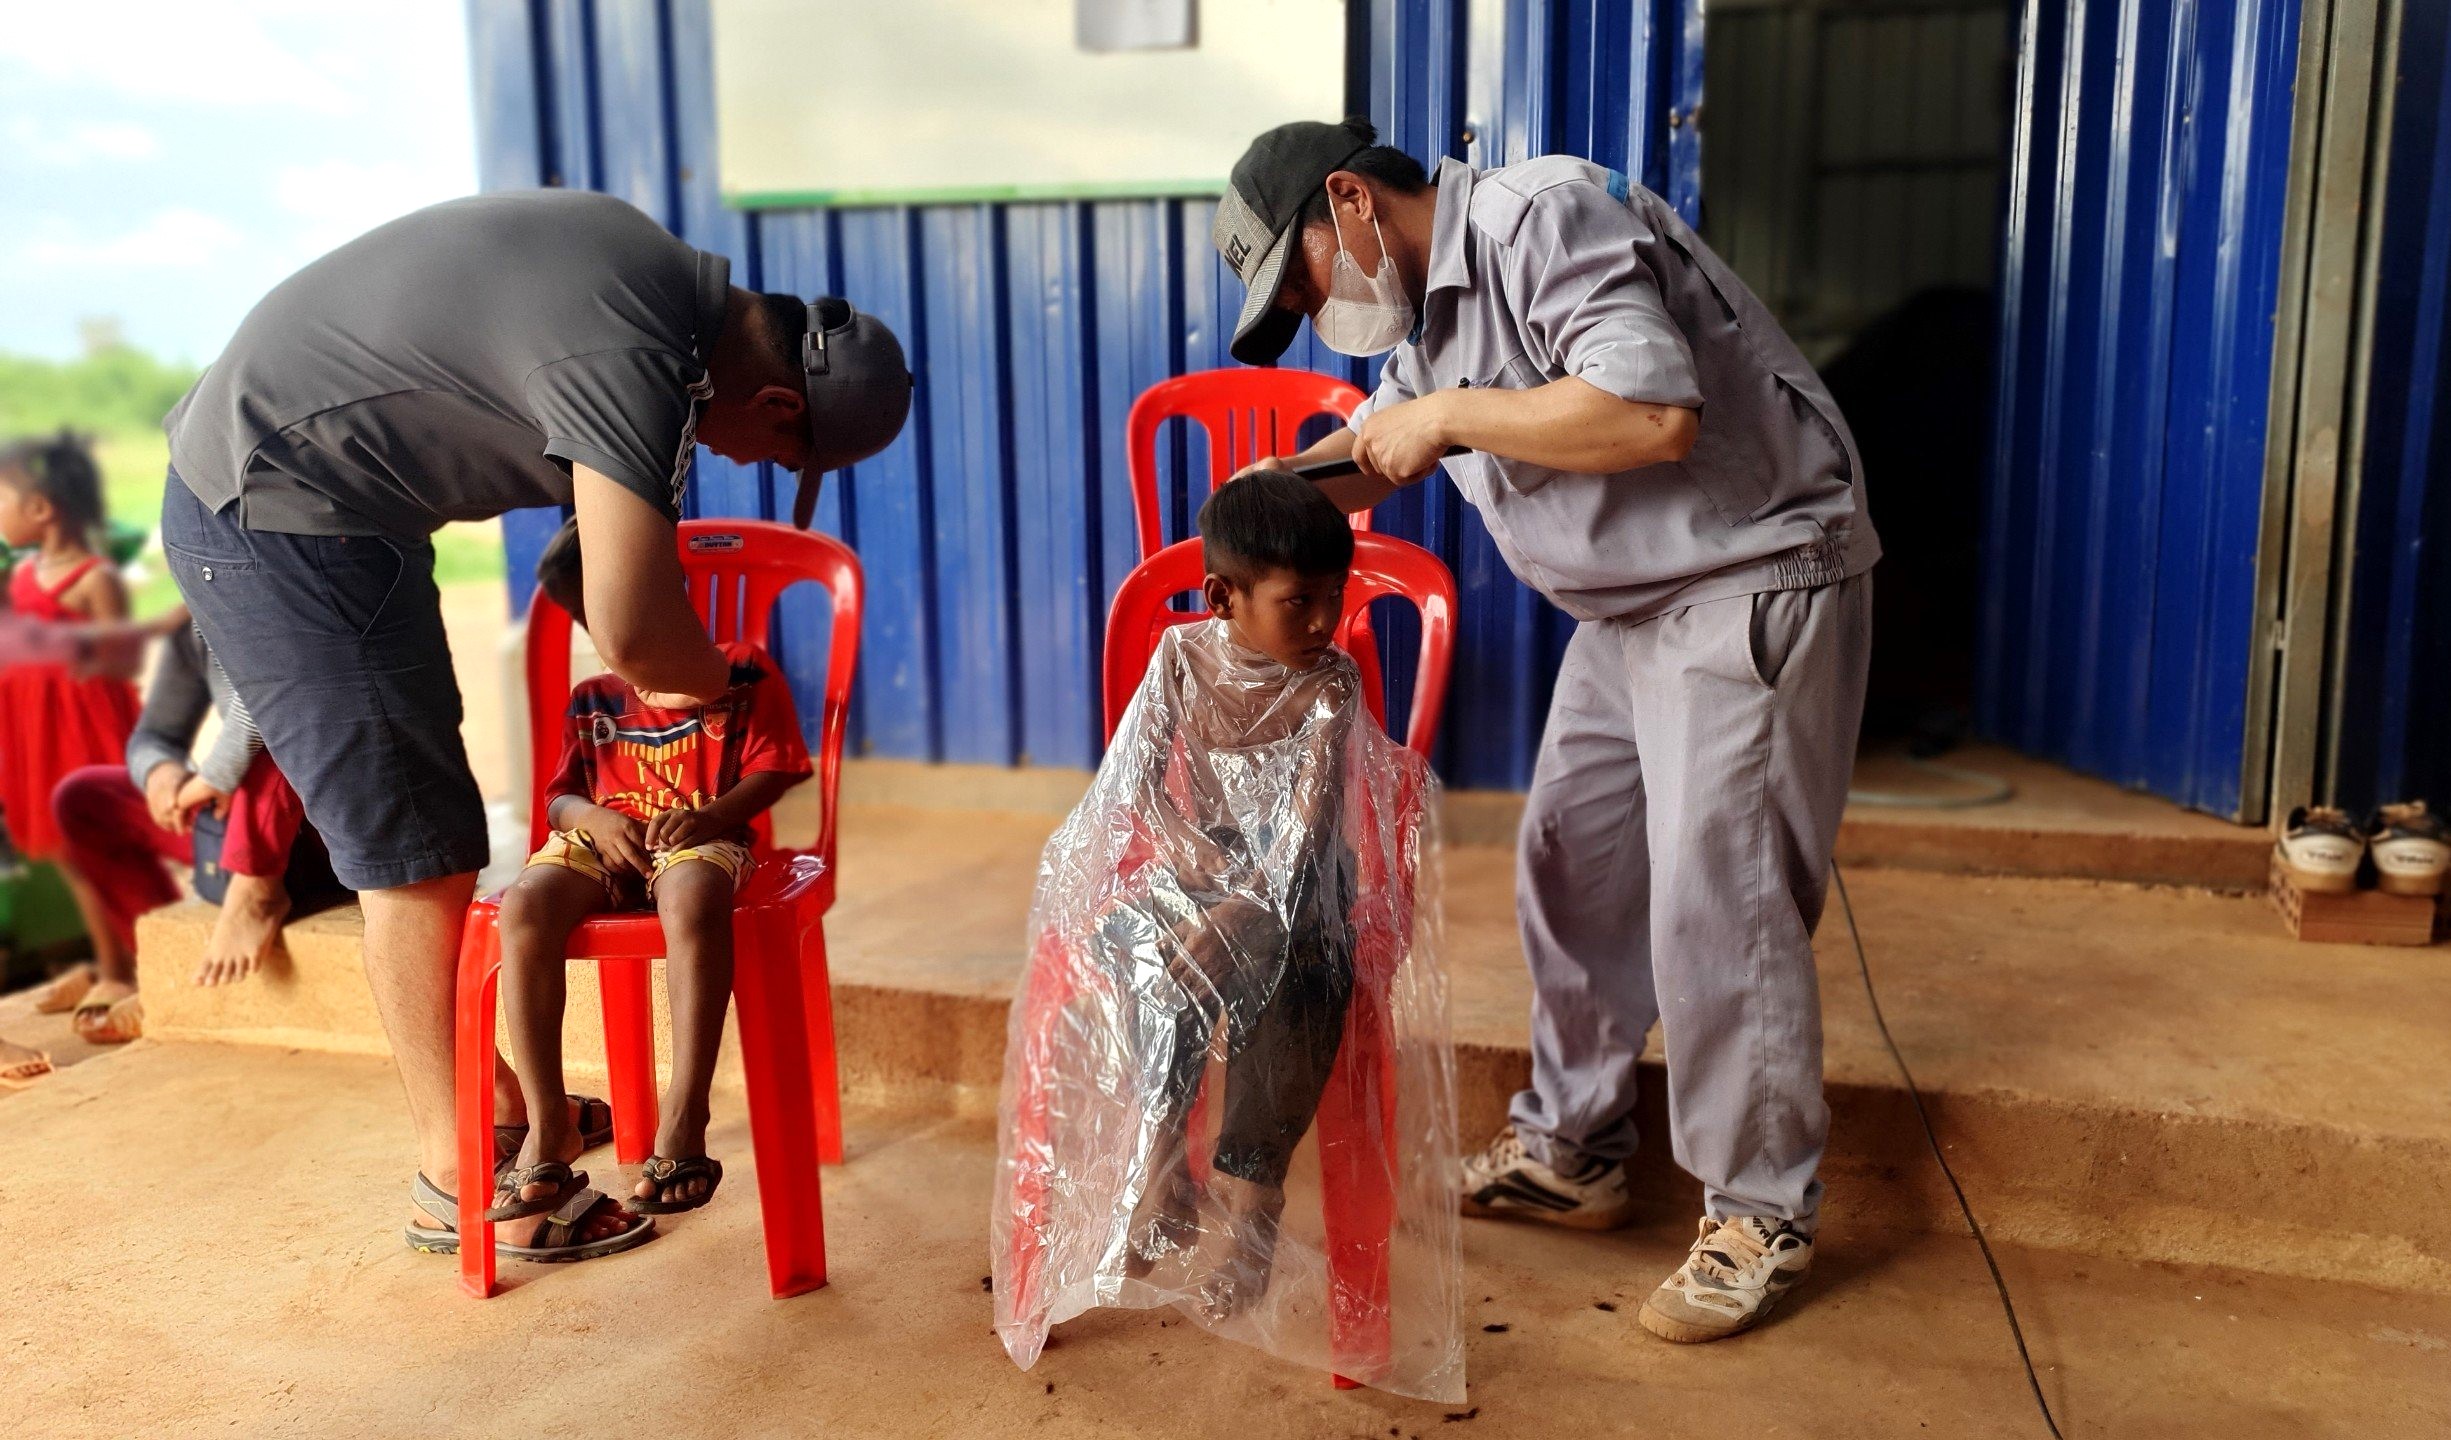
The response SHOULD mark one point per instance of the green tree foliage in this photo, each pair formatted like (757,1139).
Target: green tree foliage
(113,390)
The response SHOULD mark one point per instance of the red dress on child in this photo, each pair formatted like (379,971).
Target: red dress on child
(51,722)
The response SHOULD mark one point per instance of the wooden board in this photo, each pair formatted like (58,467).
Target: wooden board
(2360,917)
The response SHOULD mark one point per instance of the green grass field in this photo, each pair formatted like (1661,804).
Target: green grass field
(118,395)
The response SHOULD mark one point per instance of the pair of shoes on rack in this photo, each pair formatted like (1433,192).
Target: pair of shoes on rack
(2324,851)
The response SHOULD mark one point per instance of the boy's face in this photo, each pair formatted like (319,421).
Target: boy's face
(1288,617)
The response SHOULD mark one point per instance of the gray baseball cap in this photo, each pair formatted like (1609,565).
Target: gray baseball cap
(1259,221)
(859,393)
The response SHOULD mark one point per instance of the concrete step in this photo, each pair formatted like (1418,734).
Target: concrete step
(2055,823)
(2125,1071)
(252,1282)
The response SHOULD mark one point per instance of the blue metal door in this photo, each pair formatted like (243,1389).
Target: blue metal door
(2140,275)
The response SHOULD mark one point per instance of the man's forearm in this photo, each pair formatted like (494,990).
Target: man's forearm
(1569,425)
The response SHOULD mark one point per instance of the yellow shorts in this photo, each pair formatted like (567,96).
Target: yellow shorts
(573,850)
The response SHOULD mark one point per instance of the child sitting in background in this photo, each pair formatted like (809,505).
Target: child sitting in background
(53,720)
(652,805)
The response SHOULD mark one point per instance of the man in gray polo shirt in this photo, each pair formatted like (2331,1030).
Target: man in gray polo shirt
(1651,452)
(478,356)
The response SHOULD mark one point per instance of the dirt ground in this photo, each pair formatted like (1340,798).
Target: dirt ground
(250,1279)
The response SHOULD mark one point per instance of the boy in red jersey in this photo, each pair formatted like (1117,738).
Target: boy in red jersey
(652,806)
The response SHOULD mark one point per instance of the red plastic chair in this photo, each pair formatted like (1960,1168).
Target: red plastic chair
(1248,414)
(1358,1109)
(780,988)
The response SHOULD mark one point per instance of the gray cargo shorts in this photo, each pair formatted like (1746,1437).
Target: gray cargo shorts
(336,645)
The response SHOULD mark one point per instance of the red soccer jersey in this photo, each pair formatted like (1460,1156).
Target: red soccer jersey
(642,760)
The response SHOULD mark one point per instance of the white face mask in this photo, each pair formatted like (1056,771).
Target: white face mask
(1363,314)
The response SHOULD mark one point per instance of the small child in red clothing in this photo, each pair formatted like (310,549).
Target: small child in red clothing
(55,719)
(652,805)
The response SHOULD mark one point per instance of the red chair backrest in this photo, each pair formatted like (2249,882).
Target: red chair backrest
(1249,414)
(736,568)
(1382,566)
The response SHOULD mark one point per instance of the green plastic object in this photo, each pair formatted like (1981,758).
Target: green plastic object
(40,923)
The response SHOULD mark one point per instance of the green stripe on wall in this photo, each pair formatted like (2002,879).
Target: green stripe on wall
(969,194)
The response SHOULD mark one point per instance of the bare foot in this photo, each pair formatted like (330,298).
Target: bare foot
(110,1014)
(250,925)
(19,1064)
(1167,1222)
(65,990)
(1239,1247)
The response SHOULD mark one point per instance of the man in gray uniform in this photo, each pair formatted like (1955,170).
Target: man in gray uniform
(1651,452)
(478,356)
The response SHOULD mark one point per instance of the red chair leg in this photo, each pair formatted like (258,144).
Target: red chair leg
(768,999)
(473,1082)
(824,1074)
(1358,1194)
(629,1055)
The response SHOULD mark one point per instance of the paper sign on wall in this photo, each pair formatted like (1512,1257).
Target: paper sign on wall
(851,102)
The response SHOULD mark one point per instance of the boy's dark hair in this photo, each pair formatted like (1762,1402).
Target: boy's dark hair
(1272,520)
(61,469)
(1384,164)
(558,573)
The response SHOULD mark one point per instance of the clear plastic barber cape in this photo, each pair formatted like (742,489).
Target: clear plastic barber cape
(1234,995)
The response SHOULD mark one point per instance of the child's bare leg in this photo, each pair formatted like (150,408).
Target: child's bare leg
(538,914)
(694,900)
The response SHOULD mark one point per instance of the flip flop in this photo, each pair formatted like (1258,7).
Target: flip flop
(508,1205)
(64,991)
(508,1138)
(666,1174)
(561,1232)
(22,1073)
(114,1022)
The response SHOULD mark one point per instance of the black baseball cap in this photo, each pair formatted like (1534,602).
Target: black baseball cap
(1260,219)
(859,393)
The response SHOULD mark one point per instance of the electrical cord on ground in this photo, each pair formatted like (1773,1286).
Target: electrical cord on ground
(2007,1307)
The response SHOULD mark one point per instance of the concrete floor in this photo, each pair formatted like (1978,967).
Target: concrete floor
(250,1280)
(2143,1072)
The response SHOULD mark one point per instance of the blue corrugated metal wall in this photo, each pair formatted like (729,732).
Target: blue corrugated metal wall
(2395,676)
(995,531)
(2148,170)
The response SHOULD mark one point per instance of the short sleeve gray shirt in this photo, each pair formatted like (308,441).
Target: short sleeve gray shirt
(453,364)
(1557,267)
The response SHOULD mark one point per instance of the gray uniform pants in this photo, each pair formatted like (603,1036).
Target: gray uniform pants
(1674,859)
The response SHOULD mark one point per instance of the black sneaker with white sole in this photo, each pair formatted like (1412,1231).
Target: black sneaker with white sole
(1505,1180)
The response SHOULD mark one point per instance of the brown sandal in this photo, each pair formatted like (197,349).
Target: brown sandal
(668,1175)
(507,1205)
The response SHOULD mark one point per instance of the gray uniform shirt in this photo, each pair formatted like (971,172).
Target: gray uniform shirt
(453,364)
(1557,267)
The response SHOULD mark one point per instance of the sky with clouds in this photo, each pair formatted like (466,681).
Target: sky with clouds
(165,162)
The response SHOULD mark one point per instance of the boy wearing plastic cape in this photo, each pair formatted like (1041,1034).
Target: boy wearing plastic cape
(1242,879)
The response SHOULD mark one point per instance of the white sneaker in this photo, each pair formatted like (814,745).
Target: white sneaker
(2412,849)
(1504,1180)
(2321,849)
(1732,1277)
